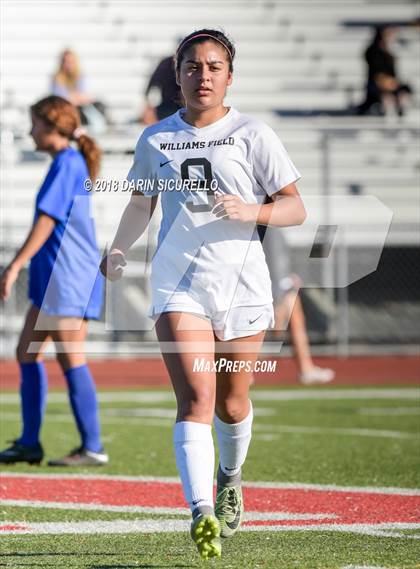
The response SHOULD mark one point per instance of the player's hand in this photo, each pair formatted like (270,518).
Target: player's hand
(7,281)
(229,206)
(112,265)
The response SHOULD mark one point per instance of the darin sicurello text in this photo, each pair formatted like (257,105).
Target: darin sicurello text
(149,185)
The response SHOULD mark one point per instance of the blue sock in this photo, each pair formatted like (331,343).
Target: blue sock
(33,394)
(82,393)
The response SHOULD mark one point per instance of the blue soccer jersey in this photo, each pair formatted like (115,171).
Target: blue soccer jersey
(64,277)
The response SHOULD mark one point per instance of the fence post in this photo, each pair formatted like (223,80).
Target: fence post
(343,329)
(327,252)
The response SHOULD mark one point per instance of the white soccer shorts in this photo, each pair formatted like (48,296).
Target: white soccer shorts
(237,322)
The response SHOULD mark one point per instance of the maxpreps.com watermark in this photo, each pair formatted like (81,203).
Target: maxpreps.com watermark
(105,185)
(233,366)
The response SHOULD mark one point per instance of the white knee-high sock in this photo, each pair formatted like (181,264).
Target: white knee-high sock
(194,452)
(233,441)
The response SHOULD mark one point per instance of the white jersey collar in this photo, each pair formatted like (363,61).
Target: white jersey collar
(204,129)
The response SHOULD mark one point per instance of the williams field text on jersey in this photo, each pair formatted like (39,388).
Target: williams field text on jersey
(193,144)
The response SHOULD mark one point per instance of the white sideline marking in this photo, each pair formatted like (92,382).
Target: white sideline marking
(377,530)
(66,418)
(165,413)
(389,411)
(99,507)
(249,516)
(97,526)
(253,484)
(155,412)
(257,395)
(150,417)
(262,437)
(273,431)
(110,413)
(104,397)
(163,418)
(335,431)
(173,525)
(322,393)
(362,567)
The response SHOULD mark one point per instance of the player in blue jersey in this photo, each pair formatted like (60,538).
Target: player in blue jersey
(65,288)
(211,290)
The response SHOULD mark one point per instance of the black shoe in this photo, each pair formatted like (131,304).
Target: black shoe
(22,453)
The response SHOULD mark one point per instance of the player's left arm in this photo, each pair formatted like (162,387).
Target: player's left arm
(39,233)
(285,209)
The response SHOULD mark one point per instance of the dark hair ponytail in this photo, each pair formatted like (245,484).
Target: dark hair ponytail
(91,153)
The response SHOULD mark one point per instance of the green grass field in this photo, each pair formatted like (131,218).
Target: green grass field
(323,437)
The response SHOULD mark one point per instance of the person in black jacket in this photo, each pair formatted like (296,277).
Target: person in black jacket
(384,89)
(162,84)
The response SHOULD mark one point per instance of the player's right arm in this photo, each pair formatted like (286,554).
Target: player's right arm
(136,215)
(133,223)
(39,233)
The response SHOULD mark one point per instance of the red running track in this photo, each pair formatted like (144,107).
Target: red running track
(150,372)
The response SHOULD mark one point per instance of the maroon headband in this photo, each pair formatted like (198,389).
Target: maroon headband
(201,36)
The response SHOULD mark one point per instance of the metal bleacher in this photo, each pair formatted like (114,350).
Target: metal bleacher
(292,58)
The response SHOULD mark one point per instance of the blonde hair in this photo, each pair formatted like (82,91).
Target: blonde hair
(66,78)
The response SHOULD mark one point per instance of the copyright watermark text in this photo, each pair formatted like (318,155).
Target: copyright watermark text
(111,185)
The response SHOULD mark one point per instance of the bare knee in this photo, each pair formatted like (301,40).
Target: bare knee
(68,360)
(198,407)
(23,356)
(233,409)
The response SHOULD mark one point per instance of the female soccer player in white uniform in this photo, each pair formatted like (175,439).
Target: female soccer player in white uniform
(212,298)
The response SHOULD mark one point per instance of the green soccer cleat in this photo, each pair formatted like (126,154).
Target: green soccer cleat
(205,532)
(229,506)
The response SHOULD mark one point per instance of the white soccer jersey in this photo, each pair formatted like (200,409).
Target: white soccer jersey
(220,262)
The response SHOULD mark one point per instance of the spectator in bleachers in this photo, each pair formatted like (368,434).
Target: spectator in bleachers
(163,94)
(384,90)
(68,82)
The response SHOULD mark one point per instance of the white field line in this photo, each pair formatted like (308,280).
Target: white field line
(332,488)
(322,393)
(257,395)
(65,418)
(96,507)
(252,516)
(249,516)
(155,412)
(254,484)
(104,397)
(392,529)
(362,567)
(133,412)
(293,429)
(261,437)
(164,413)
(154,418)
(173,525)
(144,417)
(97,526)
(389,411)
